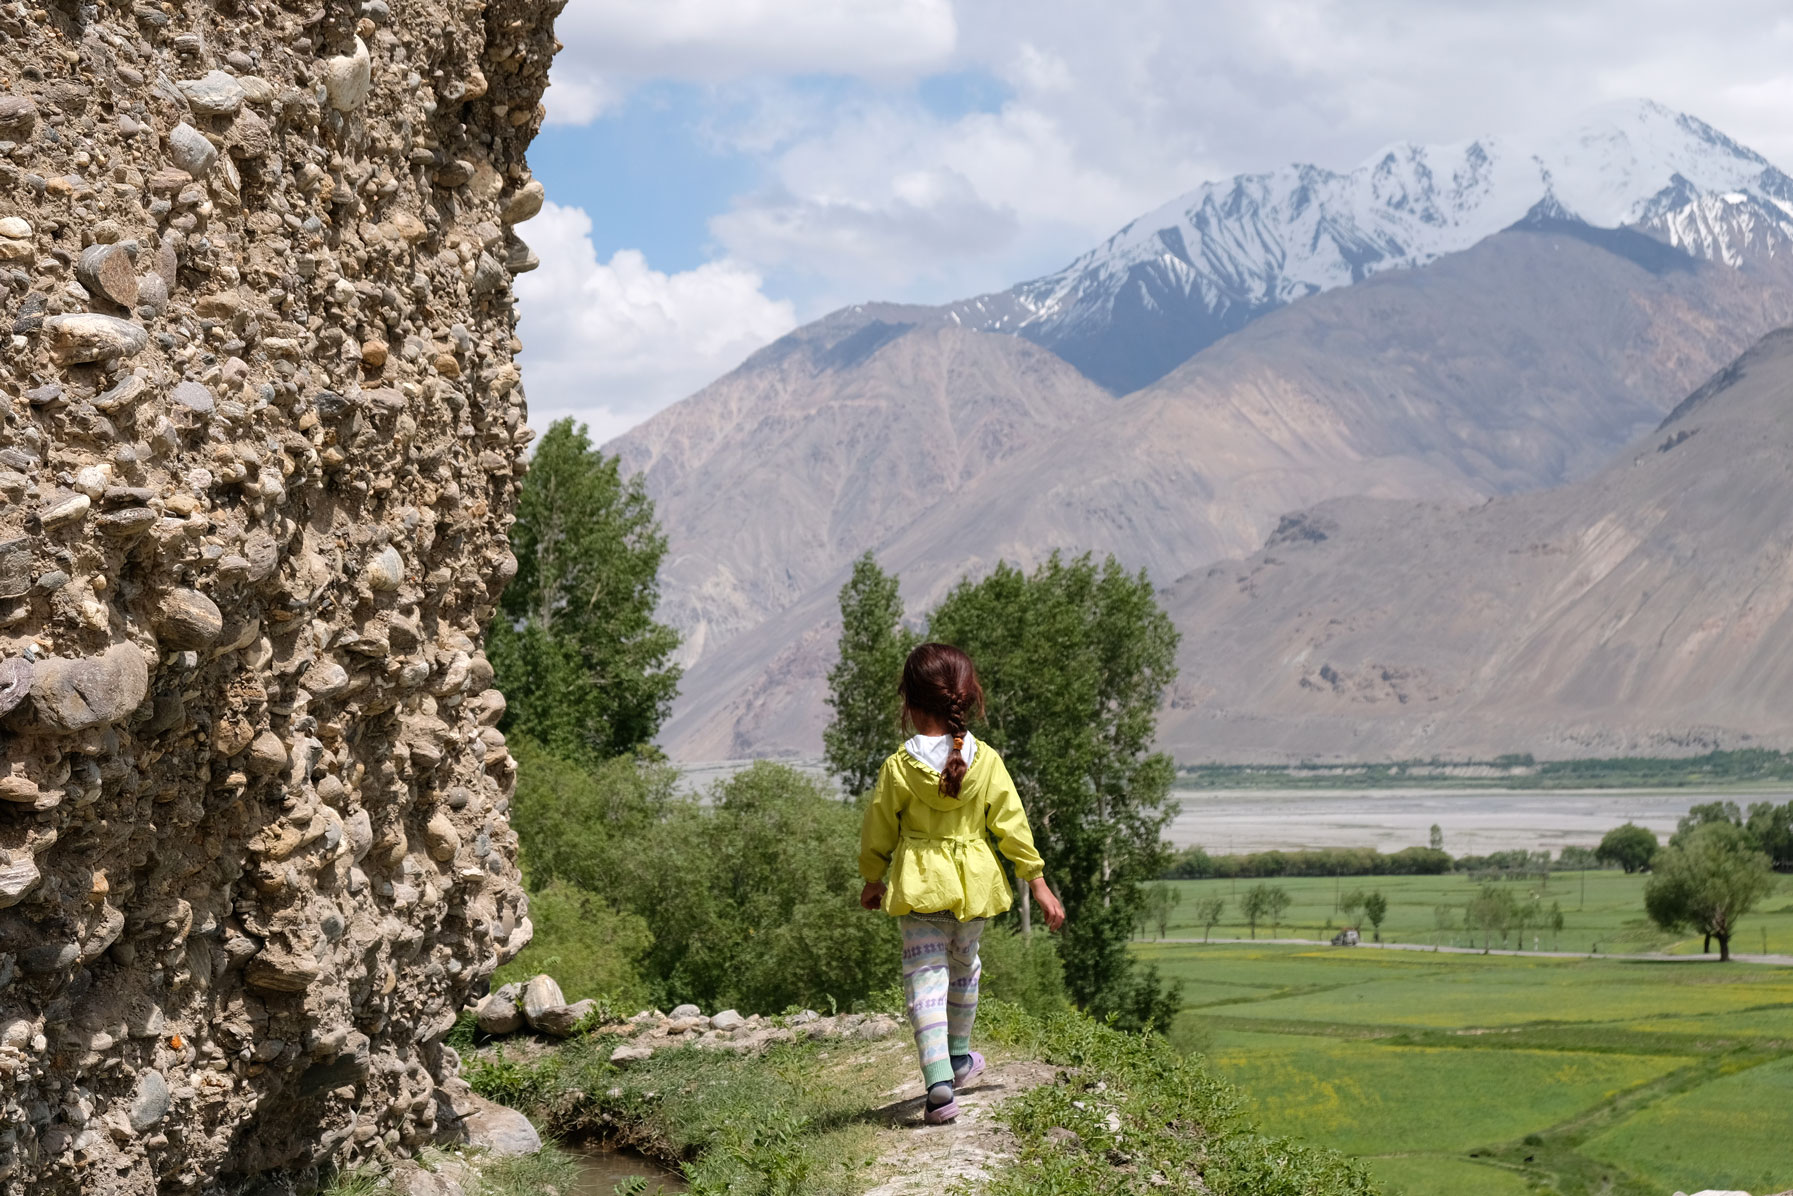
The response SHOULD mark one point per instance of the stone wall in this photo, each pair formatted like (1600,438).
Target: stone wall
(260,435)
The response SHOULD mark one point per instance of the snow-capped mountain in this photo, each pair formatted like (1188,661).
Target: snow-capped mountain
(1177,279)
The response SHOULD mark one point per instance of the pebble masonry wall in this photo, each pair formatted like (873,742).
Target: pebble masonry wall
(260,436)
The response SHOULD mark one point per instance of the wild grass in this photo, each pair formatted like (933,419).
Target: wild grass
(1144,1117)
(805,1117)
(771,1125)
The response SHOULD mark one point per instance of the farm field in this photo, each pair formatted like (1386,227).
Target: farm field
(1472,1075)
(1602,911)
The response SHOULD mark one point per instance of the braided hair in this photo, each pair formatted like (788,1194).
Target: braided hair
(940,681)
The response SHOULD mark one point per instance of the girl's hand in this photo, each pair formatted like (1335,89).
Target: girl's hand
(1050,909)
(872,896)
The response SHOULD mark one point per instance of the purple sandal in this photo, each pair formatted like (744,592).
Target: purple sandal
(974,1069)
(941,1114)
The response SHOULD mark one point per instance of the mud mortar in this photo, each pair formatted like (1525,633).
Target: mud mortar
(260,437)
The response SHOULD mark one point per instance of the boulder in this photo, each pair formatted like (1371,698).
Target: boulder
(497,1014)
(560,1020)
(684,1011)
(728,1019)
(540,995)
(497,1130)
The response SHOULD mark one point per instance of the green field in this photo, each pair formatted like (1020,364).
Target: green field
(1473,1075)
(1602,911)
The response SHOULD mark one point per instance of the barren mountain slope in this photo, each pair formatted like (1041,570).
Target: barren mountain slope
(1649,608)
(823,444)
(1514,365)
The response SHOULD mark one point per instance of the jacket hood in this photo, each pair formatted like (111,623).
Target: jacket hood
(925,780)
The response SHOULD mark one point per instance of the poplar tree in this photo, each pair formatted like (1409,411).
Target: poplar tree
(584,667)
(1075,659)
(862,686)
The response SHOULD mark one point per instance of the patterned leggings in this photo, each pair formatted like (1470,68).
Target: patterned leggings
(940,974)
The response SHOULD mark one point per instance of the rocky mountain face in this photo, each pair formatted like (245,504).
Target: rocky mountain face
(260,432)
(1178,279)
(1647,609)
(823,444)
(1441,323)
(1516,365)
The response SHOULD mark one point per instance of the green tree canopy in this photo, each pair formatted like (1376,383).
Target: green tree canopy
(867,723)
(1707,882)
(1631,847)
(1375,908)
(1074,660)
(583,665)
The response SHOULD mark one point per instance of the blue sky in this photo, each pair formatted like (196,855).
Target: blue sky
(721,170)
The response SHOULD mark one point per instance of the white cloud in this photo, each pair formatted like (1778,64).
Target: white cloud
(612,44)
(1115,111)
(610,343)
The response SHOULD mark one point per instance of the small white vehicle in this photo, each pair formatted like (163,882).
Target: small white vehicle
(1345,938)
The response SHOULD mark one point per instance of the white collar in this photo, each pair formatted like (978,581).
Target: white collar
(932,750)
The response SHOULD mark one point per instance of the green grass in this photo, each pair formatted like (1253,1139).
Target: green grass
(1412,1175)
(1729,1133)
(1600,909)
(1368,1098)
(1467,1074)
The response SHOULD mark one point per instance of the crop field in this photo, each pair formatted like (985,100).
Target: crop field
(1602,911)
(1474,1075)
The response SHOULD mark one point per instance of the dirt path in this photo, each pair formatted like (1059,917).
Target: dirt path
(924,1160)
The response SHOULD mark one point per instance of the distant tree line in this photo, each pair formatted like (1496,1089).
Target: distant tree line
(1195,863)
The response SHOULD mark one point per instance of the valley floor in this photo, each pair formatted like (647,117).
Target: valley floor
(1471,1075)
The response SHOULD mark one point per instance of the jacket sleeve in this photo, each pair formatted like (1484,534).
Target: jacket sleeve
(1008,822)
(878,832)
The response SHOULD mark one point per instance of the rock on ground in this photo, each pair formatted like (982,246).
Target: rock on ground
(494,1128)
(254,848)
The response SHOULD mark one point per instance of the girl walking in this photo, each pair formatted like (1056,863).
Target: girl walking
(924,851)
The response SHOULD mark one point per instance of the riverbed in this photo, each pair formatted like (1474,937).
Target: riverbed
(1474,821)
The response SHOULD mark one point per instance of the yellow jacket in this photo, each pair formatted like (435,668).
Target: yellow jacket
(936,848)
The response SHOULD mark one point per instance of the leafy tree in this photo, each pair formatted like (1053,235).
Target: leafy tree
(750,897)
(583,665)
(1075,659)
(1208,912)
(1279,905)
(1631,847)
(1375,908)
(1156,909)
(862,685)
(1555,923)
(1705,814)
(1771,828)
(1255,905)
(578,823)
(1576,859)
(1350,904)
(1436,839)
(1492,910)
(1707,882)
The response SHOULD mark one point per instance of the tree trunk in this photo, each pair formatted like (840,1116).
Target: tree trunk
(1706,948)
(1724,948)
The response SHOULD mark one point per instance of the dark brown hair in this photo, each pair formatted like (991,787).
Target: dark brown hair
(941,682)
